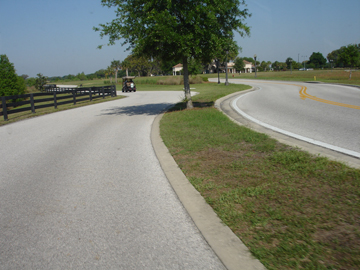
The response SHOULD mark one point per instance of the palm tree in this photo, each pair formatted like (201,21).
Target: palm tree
(116,65)
(109,71)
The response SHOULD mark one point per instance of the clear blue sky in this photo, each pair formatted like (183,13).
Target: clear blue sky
(55,37)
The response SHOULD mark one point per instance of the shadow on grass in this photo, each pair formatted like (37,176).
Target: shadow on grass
(182,106)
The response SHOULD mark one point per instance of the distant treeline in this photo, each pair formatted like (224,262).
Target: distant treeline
(100,74)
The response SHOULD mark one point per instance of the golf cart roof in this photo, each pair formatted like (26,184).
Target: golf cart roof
(128,77)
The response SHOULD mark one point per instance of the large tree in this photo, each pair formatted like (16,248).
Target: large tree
(334,56)
(289,62)
(350,56)
(10,83)
(239,64)
(177,29)
(139,64)
(317,59)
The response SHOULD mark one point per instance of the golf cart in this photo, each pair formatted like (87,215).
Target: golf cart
(128,84)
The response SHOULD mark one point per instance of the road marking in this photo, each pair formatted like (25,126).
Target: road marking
(304,95)
(296,136)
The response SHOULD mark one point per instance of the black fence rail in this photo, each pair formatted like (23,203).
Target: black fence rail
(53,97)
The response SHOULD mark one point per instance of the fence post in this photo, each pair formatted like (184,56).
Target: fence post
(4,108)
(74,96)
(90,93)
(55,100)
(32,103)
(103,93)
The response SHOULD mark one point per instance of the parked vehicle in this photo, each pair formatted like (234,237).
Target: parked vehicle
(128,84)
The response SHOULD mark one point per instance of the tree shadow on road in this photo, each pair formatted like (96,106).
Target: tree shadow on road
(153,109)
(146,109)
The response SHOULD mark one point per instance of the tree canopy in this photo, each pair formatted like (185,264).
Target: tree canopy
(10,83)
(350,56)
(177,30)
(239,63)
(40,81)
(334,56)
(317,60)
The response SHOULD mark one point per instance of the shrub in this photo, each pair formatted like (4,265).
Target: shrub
(175,80)
(195,80)
(10,83)
(179,80)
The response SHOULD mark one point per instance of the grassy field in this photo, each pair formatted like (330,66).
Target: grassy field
(292,209)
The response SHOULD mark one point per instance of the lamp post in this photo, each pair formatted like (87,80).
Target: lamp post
(226,67)
(255,64)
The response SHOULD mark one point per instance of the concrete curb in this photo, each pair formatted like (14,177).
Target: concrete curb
(227,246)
(220,100)
(224,105)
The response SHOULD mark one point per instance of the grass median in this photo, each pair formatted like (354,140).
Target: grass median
(292,209)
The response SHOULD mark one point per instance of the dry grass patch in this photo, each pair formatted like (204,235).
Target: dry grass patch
(179,80)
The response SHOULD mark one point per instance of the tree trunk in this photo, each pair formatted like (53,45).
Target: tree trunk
(189,104)
(127,72)
(116,71)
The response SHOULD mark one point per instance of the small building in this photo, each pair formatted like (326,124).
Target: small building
(248,67)
(177,68)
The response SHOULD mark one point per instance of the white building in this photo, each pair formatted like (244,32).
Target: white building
(177,68)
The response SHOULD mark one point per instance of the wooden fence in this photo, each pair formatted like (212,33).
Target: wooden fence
(57,94)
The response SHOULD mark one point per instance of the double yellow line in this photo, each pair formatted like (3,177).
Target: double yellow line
(304,95)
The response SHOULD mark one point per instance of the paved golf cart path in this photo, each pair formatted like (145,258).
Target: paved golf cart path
(83,189)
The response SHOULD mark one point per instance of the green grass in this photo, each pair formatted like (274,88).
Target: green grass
(292,209)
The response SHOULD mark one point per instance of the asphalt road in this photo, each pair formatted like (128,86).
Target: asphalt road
(83,189)
(318,113)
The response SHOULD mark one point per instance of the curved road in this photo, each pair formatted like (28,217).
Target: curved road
(83,189)
(323,114)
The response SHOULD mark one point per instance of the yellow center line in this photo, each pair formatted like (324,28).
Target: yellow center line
(304,95)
